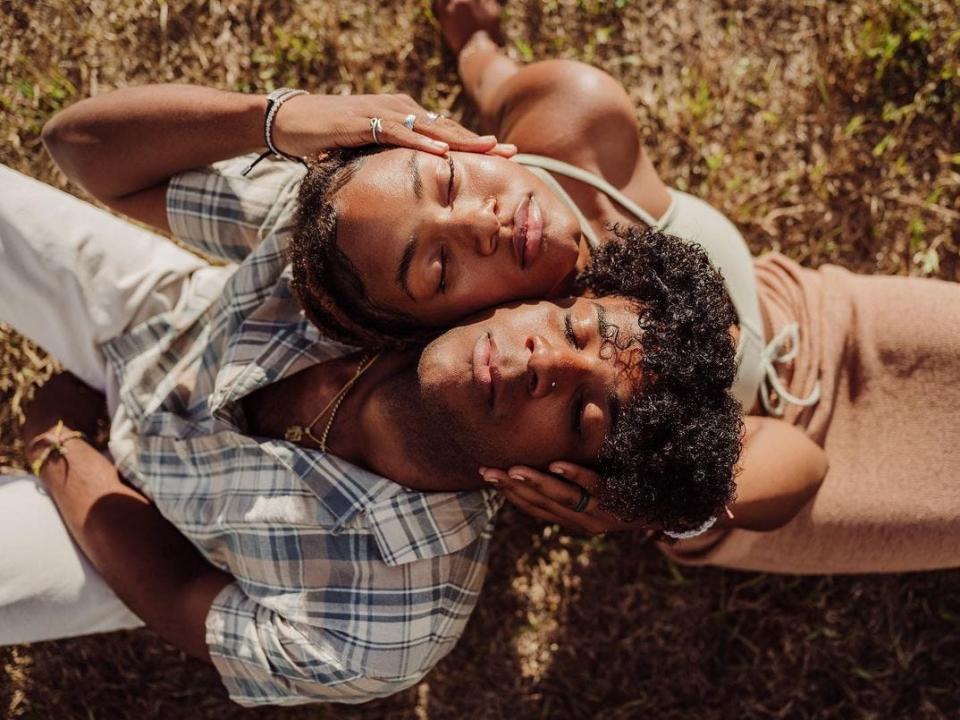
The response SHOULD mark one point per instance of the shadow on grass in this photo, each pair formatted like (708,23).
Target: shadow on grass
(570,628)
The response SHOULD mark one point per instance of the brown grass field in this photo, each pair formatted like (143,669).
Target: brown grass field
(828,130)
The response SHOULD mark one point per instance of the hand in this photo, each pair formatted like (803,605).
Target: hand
(549,498)
(64,397)
(307,125)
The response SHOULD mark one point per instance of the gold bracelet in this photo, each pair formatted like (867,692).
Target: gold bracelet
(55,444)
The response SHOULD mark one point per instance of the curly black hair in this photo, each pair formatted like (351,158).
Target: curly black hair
(327,284)
(670,459)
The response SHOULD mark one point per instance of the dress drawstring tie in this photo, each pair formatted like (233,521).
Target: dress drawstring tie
(776,353)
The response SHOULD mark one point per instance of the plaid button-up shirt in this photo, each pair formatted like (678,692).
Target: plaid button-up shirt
(348,586)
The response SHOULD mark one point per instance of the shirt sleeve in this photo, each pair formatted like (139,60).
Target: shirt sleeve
(222,213)
(263,658)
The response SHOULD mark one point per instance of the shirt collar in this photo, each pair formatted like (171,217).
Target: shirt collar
(408,525)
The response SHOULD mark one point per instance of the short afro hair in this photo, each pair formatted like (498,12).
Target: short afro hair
(670,459)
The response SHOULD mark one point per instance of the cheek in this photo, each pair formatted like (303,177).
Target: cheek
(530,437)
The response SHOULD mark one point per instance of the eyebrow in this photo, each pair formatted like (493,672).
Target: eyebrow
(403,269)
(415,179)
(603,330)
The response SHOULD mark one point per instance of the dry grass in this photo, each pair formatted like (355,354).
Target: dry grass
(827,130)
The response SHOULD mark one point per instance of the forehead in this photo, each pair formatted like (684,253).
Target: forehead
(382,172)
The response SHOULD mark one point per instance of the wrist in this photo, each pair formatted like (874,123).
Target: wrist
(252,109)
(276,138)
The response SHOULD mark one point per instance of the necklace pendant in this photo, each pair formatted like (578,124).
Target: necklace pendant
(293,433)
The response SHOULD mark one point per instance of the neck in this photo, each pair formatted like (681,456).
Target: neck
(394,435)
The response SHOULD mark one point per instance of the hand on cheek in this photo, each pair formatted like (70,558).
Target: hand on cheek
(554,500)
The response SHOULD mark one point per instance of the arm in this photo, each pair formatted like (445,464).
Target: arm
(147,562)
(123,146)
(780,470)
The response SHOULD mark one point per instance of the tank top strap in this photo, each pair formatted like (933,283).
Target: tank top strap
(572,171)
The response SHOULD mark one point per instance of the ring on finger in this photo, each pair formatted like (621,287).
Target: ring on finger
(432,117)
(583,502)
(409,121)
(376,127)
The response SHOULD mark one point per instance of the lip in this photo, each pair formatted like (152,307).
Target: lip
(527,232)
(483,369)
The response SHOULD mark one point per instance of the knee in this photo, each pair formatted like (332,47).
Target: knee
(572,112)
(580,88)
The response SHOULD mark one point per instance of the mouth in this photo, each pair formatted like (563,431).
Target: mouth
(527,232)
(484,370)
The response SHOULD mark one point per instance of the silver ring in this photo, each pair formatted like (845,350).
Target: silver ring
(584,501)
(376,127)
(409,121)
(432,117)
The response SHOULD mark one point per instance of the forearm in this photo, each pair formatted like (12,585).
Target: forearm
(129,140)
(147,562)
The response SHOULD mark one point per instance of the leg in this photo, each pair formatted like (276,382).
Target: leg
(74,276)
(47,588)
(563,109)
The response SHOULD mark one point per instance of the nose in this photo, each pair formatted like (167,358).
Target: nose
(477,227)
(554,368)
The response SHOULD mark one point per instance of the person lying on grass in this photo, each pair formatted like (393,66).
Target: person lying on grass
(268,507)
(402,242)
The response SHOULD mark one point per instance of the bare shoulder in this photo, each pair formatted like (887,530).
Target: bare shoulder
(572,112)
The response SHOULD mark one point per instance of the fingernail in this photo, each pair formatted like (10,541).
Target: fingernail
(483,470)
(556,469)
(518,477)
(491,479)
(439,145)
(487,138)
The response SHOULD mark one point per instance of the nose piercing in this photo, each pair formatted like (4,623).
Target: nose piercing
(553,384)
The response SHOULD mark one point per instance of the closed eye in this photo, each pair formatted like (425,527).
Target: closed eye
(442,284)
(569,333)
(450,182)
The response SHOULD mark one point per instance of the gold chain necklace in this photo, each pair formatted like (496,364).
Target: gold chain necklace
(296,433)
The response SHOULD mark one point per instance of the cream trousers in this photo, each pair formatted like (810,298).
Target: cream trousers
(72,276)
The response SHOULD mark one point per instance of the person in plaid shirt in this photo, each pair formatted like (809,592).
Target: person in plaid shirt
(321,575)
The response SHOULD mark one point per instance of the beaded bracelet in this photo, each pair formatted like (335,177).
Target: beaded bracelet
(274,101)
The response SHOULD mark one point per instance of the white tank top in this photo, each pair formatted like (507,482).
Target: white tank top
(691,219)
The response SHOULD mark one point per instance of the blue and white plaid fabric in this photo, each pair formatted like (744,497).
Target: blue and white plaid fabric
(348,586)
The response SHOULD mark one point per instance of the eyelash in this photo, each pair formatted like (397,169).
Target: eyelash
(569,333)
(450,183)
(442,285)
(577,412)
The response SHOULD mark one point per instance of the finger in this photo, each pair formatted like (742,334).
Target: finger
(584,477)
(506,150)
(395,133)
(454,134)
(559,491)
(535,511)
(494,476)
(564,515)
